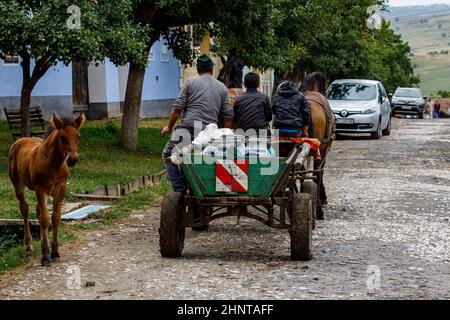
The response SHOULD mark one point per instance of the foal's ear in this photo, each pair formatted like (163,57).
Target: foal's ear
(80,120)
(57,122)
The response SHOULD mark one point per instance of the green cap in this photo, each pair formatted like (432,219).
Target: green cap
(204,63)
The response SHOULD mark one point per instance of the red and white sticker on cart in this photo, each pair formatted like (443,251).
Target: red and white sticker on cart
(232,176)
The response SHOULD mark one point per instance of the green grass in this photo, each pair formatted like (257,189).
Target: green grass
(102,161)
(433,72)
(424,33)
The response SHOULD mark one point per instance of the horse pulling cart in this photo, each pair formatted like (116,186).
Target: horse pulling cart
(280,192)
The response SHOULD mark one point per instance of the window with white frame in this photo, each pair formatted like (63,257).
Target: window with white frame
(11,60)
(164,53)
(151,55)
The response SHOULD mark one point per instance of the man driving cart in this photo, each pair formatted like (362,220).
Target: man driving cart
(201,100)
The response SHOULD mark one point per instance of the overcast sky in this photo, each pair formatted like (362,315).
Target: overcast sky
(416,2)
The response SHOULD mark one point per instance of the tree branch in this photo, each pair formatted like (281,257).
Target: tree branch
(41,67)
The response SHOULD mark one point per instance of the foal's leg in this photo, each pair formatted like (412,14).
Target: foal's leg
(44,221)
(58,198)
(24,209)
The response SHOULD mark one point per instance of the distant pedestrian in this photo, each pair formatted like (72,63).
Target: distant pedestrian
(437,110)
(428,109)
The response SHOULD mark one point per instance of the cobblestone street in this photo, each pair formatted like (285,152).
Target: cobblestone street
(385,236)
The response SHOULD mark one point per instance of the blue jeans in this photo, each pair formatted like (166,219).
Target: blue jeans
(436,114)
(176,175)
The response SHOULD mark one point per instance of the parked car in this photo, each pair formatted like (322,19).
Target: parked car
(360,106)
(408,101)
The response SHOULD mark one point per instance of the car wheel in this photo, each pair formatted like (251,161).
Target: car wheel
(420,115)
(377,134)
(387,131)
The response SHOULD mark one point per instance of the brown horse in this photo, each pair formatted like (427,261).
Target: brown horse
(43,166)
(323,124)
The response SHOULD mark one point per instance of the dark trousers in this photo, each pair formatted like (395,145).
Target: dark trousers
(176,175)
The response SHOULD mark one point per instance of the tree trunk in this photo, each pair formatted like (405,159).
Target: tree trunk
(25,98)
(80,88)
(132,107)
(29,81)
(25,94)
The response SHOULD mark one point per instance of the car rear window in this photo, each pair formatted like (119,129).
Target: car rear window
(352,91)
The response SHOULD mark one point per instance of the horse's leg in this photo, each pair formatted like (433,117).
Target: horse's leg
(58,198)
(44,221)
(24,209)
(322,192)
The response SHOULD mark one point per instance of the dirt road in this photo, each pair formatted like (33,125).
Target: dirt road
(386,235)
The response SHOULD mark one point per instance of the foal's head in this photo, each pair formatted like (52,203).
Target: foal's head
(68,136)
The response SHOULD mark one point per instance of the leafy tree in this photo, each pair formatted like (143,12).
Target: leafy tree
(389,61)
(166,18)
(344,46)
(46,32)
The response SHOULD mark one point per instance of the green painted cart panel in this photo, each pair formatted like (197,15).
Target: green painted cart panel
(263,176)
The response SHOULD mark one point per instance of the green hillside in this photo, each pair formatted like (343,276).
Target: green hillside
(429,37)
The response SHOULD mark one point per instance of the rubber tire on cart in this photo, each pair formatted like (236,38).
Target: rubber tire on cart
(301,227)
(377,134)
(387,131)
(172,230)
(312,189)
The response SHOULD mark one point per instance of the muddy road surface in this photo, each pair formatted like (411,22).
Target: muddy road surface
(386,236)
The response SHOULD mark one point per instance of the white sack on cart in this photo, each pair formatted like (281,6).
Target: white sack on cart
(211,132)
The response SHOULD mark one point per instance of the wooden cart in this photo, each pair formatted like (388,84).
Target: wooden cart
(283,199)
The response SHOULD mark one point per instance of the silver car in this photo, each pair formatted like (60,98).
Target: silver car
(360,106)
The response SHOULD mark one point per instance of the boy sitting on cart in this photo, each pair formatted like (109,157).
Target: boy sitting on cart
(292,114)
(291,111)
(252,109)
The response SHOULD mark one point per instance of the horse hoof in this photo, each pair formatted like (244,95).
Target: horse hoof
(55,256)
(29,253)
(45,262)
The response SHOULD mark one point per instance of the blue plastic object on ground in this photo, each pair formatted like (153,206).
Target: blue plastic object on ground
(83,212)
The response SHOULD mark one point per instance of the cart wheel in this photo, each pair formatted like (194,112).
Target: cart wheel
(312,188)
(301,227)
(172,231)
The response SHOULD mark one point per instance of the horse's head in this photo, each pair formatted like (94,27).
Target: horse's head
(315,81)
(232,72)
(68,136)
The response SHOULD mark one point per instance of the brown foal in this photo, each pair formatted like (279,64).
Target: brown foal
(43,166)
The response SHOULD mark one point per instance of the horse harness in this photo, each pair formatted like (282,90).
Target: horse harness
(328,115)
